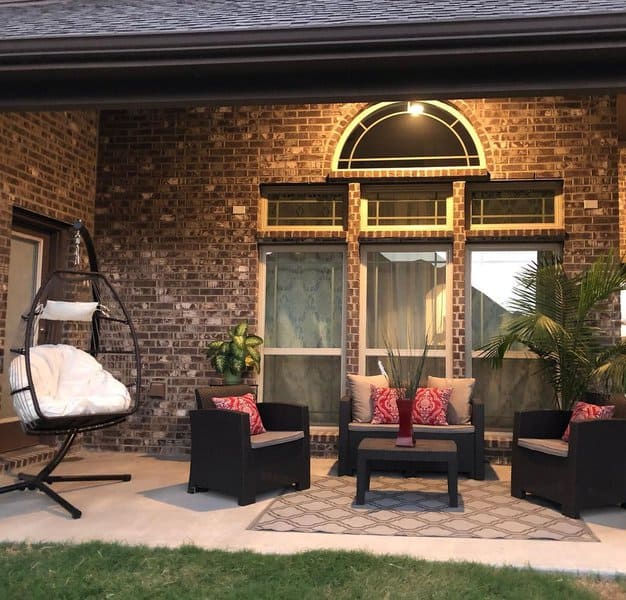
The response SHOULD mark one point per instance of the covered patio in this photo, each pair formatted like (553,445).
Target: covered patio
(164,134)
(154,509)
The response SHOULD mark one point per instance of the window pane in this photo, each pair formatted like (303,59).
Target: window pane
(405,206)
(518,384)
(303,299)
(512,207)
(406,299)
(305,206)
(313,381)
(433,365)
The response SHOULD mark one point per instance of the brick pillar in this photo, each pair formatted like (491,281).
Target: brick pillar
(353,279)
(458,280)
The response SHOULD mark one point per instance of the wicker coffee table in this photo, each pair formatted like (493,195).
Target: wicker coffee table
(385,450)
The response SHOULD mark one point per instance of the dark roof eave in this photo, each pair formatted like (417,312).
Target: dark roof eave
(336,64)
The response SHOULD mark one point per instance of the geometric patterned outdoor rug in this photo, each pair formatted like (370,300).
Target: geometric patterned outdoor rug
(418,506)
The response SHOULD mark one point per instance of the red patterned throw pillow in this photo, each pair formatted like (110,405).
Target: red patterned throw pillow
(431,405)
(385,407)
(584,411)
(245,404)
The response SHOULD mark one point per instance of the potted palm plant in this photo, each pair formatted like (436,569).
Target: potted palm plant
(553,315)
(237,355)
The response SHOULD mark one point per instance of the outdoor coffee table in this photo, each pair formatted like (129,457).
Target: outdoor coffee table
(385,449)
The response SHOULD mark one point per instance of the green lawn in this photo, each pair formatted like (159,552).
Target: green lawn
(98,570)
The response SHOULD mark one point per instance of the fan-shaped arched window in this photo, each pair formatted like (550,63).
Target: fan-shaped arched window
(409,135)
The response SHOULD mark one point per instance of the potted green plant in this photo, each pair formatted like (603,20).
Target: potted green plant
(553,315)
(404,374)
(237,355)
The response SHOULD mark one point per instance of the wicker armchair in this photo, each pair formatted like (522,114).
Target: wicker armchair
(587,472)
(226,458)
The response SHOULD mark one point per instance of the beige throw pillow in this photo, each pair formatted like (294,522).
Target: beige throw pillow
(459,409)
(361,392)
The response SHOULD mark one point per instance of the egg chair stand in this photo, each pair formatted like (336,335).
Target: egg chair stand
(41,480)
(107,334)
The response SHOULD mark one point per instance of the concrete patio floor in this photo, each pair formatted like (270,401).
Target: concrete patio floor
(154,509)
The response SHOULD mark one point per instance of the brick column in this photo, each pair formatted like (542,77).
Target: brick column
(353,279)
(458,280)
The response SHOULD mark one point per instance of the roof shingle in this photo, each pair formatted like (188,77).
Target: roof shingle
(79,18)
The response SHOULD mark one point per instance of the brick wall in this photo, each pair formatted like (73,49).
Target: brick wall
(176,218)
(47,166)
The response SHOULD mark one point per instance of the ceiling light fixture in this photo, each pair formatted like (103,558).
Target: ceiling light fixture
(415,108)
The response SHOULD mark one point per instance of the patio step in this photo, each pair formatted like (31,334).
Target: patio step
(16,460)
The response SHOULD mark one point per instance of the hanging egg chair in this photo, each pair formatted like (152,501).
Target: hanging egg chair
(78,368)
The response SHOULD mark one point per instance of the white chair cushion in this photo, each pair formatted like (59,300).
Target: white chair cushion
(67,381)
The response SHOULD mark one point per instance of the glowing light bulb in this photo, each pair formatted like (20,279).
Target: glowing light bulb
(415,108)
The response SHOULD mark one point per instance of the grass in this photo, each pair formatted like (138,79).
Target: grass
(98,570)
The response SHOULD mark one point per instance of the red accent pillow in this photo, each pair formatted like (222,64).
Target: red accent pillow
(588,412)
(385,407)
(431,406)
(245,404)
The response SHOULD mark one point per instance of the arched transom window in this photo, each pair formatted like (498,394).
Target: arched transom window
(409,135)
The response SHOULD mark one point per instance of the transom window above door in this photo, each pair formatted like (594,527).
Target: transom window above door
(409,135)
(516,204)
(303,206)
(406,207)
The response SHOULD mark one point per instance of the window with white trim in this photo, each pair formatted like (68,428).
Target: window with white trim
(404,301)
(315,207)
(406,207)
(302,316)
(518,205)
(425,134)
(518,385)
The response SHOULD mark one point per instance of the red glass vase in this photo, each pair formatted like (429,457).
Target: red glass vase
(405,429)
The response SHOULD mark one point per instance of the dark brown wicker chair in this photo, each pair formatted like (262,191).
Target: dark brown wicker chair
(225,458)
(588,472)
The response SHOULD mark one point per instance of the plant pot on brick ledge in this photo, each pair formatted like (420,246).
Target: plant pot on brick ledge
(236,356)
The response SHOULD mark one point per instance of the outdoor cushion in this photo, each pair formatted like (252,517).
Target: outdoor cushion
(59,310)
(547,446)
(361,392)
(272,438)
(430,406)
(459,408)
(583,411)
(245,404)
(445,429)
(385,406)
(67,382)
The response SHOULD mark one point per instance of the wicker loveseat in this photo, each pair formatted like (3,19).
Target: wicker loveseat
(469,438)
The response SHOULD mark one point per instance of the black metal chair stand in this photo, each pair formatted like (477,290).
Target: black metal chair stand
(44,477)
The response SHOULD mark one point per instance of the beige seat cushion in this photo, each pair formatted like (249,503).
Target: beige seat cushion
(272,438)
(442,429)
(556,447)
(459,408)
(361,393)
